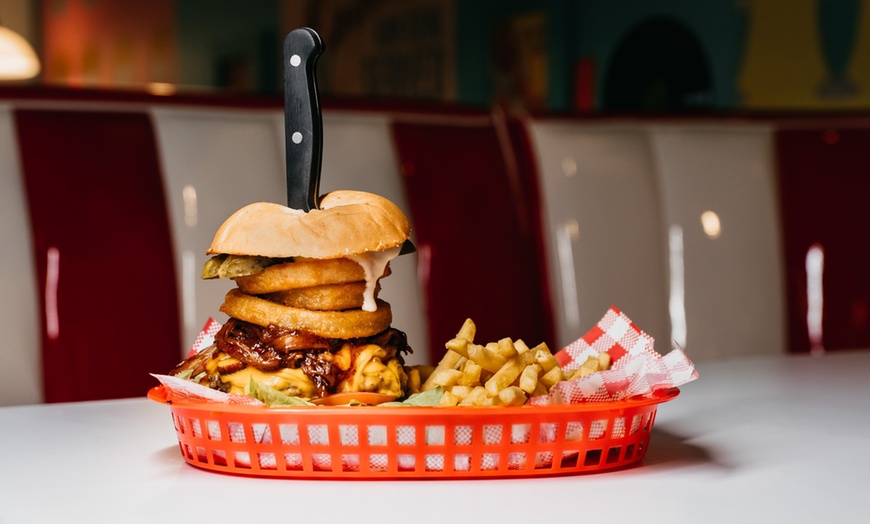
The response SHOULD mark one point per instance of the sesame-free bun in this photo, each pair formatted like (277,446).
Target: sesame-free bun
(347,223)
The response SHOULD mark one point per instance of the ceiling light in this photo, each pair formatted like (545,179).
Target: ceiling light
(18,60)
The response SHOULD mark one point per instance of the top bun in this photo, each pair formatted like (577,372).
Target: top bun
(347,223)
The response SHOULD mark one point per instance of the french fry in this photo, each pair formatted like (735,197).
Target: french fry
(467,331)
(512,396)
(461,391)
(506,348)
(475,397)
(445,377)
(470,374)
(449,361)
(506,372)
(520,346)
(591,365)
(550,378)
(449,399)
(540,389)
(529,377)
(485,358)
(509,372)
(492,401)
(459,345)
(580,373)
(414,380)
(544,357)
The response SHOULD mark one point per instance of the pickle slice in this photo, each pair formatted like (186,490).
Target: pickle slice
(212,266)
(231,266)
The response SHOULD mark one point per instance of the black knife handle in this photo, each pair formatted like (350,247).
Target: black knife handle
(303,125)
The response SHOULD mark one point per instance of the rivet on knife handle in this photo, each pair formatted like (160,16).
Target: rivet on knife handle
(303,131)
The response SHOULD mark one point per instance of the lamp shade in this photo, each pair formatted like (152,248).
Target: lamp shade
(18,60)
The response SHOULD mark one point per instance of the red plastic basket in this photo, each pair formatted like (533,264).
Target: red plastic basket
(413,442)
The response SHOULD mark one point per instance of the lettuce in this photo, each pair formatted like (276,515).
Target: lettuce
(185,375)
(271,396)
(424,398)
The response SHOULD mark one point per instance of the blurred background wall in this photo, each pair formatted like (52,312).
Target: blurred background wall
(554,55)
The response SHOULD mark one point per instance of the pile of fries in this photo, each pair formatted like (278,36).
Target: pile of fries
(503,373)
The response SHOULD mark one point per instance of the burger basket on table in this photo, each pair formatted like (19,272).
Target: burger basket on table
(362,232)
(537,439)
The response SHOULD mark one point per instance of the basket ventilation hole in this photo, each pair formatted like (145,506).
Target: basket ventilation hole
(593,457)
(613,455)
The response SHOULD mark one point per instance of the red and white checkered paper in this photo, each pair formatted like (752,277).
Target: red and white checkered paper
(637,370)
(205,337)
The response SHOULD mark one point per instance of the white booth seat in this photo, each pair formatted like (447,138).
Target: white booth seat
(20,373)
(602,219)
(624,204)
(717,185)
(214,161)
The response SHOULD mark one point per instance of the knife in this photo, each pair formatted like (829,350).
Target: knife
(303,123)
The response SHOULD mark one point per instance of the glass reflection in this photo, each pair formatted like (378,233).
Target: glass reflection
(711,224)
(815,264)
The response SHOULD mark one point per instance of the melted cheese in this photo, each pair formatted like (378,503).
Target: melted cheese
(364,364)
(369,373)
(374,263)
(293,382)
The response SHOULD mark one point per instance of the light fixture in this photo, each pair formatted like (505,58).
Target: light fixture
(160,88)
(18,60)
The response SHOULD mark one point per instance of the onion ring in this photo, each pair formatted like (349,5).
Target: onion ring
(303,272)
(331,297)
(352,323)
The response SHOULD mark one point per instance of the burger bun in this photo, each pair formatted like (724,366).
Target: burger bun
(347,223)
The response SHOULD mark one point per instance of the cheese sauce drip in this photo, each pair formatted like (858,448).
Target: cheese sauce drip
(374,263)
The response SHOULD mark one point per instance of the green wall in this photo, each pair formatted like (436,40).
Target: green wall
(222,39)
(592,29)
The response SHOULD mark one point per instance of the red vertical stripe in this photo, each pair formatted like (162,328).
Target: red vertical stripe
(98,213)
(474,210)
(824,187)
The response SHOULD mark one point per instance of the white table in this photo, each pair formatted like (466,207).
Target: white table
(776,439)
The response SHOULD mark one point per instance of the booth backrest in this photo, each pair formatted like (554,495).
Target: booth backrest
(824,182)
(102,251)
(20,358)
(733,297)
(603,225)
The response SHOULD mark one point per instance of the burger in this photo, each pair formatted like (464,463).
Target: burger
(304,317)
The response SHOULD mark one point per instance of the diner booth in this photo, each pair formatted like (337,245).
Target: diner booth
(728,236)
